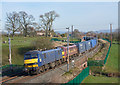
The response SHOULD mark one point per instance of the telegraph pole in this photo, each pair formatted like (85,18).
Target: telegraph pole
(68,49)
(72,32)
(85,36)
(111,33)
(9,49)
(97,36)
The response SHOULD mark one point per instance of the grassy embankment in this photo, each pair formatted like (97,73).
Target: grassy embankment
(100,79)
(19,45)
(110,66)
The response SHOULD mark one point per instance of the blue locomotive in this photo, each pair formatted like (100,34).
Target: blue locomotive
(39,61)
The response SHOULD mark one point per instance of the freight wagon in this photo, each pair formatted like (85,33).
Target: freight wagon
(93,42)
(81,47)
(88,45)
(73,51)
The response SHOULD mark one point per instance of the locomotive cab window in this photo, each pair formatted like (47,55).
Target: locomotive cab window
(27,56)
(34,55)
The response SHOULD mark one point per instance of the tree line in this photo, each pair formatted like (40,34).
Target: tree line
(26,25)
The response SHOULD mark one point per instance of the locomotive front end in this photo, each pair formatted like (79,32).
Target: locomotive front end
(30,62)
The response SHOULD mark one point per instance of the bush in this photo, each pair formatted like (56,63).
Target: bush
(96,69)
(42,43)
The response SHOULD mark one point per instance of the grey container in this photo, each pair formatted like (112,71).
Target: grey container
(81,47)
(88,45)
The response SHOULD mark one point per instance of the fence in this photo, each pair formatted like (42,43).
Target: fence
(8,66)
(55,39)
(11,69)
(106,39)
(77,80)
(107,54)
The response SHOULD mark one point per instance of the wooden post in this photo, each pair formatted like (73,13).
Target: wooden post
(72,32)
(111,33)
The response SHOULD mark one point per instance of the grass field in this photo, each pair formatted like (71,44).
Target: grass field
(19,45)
(112,61)
(110,66)
(100,79)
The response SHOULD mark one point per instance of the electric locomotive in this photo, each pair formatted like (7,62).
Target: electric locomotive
(38,61)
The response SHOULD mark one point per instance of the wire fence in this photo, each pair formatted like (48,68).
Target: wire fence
(63,40)
(9,66)
(8,70)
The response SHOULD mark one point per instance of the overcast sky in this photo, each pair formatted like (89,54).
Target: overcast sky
(85,16)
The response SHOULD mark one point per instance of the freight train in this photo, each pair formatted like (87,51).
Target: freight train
(40,61)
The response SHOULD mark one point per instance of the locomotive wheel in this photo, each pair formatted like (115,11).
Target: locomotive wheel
(52,65)
(56,63)
(60,62)
(38,71)
(30,72)
(43,68)
(46,67)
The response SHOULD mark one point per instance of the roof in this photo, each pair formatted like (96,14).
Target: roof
(51,50)
(41,31)
(69,46)
(33,52)
(82,42)
(37,52)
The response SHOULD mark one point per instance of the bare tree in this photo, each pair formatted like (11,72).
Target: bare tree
(25,21)
(76,33)
(37,27)
(12,23)
(47,21)
(53,16)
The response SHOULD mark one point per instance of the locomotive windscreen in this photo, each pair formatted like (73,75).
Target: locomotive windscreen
(27,56)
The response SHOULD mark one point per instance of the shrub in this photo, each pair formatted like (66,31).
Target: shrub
(42,43)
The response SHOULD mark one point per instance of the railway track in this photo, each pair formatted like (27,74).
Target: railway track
(26,78)
(21,78)
(11,77)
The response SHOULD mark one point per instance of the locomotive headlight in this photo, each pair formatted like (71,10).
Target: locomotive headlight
(25,69)
(25,64)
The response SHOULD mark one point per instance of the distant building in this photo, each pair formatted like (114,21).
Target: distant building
(42,33)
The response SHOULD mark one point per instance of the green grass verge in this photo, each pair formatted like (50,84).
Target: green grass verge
(110,66)
(100,79)
(112,61)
